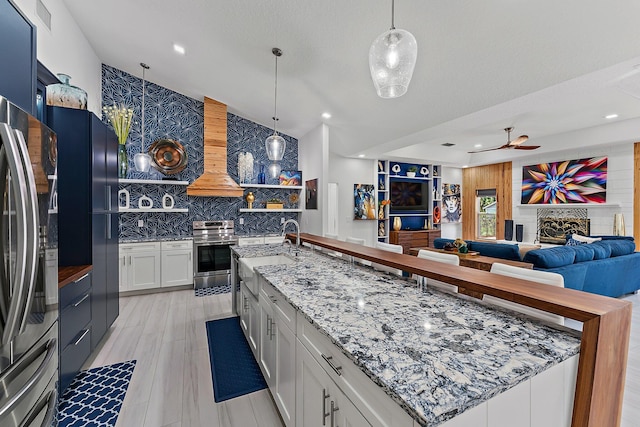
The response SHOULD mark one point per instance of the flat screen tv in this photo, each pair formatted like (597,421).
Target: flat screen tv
(409,196)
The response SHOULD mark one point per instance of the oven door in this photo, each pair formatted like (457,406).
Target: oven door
(211,264)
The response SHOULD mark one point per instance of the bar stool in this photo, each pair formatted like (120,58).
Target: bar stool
(545,277)
(358,241)
(438,257)
(390,248)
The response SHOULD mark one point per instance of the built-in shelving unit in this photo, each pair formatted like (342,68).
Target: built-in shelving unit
(177,210)
(152,181)
(283,191)
(430,177)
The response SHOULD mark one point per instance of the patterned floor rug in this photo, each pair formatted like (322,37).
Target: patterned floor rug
(214,290)
(95,396)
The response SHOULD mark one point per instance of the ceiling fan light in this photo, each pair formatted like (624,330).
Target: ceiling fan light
(275,146)
(392,59)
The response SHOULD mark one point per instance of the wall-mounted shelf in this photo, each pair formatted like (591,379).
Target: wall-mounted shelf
(282,187)
(52,211)
(269,210)
(152,181)
(419,178)
(410,214)
(571,206)
(177,210)
(52,176)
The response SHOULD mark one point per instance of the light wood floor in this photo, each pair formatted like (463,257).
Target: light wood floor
(171,384)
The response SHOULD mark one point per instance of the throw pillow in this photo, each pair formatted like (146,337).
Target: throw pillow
(585,239)
(573,242)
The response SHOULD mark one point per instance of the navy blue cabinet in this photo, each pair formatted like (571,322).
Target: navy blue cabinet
(17,57)
(87,207)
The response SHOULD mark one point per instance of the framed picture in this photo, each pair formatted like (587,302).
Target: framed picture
(569,181)
(311,194)
(450,204)
(364,197)
(291,178)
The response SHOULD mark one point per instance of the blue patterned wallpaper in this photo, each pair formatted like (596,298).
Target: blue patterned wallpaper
(172,115)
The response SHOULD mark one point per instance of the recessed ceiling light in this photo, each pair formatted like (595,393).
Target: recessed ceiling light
(448,144)
(478,145)
(326,115)
(611,116)
(360,155)
(179,49)
(465,166)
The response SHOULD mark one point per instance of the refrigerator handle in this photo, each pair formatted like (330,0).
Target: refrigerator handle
(33,229)
(108,228)
(18,183)
(52,349)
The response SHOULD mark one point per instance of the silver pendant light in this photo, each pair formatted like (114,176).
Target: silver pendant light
(275,144)
(392,58)
(142,160)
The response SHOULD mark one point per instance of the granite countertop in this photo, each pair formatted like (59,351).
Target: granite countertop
(435,354)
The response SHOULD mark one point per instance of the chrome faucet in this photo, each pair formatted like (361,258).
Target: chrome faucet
(294,222)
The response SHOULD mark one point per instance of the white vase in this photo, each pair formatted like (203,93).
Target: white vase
(411,174)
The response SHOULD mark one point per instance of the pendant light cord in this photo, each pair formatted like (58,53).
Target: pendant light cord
(144,67)
(276,52)
(393,27)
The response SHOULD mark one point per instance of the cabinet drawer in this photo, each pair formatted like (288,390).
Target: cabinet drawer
(273,240)
(139,247)
(73,357)
(74,317)
(248,241)
(281,307)
(377,407)
(71,292)
(181,244)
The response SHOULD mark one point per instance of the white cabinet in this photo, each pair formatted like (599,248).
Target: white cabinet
(140,267)
(177,263)
(277,350)
(321,402)
(250,318)
(249,241)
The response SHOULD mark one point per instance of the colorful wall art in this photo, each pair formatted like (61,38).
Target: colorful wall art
(451,203)
(290,178)
(311,194)
(569,181)
(365,201)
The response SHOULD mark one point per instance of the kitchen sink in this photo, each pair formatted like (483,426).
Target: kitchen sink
(246,266)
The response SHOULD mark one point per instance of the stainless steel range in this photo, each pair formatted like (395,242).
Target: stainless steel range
(212,256)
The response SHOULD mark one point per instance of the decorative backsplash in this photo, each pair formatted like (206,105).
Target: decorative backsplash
(169,114)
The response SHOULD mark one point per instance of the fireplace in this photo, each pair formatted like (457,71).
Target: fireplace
(555,224)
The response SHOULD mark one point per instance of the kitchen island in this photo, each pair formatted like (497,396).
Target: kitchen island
(434,354)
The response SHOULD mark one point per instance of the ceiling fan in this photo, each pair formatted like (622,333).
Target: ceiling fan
(516,143)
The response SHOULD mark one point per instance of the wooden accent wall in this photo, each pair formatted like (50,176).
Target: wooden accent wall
(496,176)
(636,194)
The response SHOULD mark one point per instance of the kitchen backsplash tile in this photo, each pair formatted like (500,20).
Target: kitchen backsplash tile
(169,114)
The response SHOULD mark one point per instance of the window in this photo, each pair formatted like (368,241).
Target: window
(486,204)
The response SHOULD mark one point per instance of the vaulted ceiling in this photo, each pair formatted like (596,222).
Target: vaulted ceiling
(548,68)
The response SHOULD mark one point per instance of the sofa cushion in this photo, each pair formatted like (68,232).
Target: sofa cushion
(619,247)
(583,252)
(496,250)
(600,251)
(551,258)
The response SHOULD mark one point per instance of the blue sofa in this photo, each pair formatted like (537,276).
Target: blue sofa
(610,267)
(494,250)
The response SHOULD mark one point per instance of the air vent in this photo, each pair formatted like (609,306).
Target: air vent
(43,13)
(448,144)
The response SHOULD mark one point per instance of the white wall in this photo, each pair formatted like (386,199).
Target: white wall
(619,188)
(313,160)
(451,175)
(64,49)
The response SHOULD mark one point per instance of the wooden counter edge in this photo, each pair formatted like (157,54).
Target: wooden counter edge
(606,323)
(69,274)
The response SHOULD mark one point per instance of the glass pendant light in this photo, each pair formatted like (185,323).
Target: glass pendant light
(275,169)
(142,160)
(275,144)
(392,58)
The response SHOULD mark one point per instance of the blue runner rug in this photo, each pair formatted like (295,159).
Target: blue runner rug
(234,370)
(95,396)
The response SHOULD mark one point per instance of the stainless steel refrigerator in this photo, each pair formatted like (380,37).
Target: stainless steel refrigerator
(28,292)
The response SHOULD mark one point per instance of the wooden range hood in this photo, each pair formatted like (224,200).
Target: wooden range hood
(215,181)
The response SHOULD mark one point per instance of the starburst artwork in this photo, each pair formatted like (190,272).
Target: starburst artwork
(570,181)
